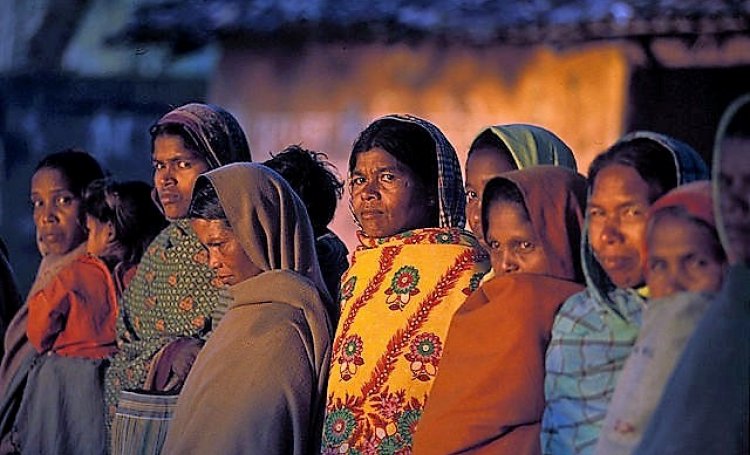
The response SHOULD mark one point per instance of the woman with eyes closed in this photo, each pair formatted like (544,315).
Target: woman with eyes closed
(57,188)
(414,267)
(595,329)
(488,396)
(174,300)
(258,385)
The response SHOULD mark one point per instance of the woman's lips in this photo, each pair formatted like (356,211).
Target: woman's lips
(616,262)
(370,213)
(168,198)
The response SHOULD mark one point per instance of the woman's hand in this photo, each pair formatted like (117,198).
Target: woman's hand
(175,363)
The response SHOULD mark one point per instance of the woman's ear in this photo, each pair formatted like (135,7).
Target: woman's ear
(111,234)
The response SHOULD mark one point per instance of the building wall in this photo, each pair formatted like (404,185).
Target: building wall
(323,95)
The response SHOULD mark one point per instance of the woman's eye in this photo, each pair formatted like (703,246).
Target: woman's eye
(697,263)
(471,195)
(64,200)
(525,246)
(494,244)
(596,213)
(656,266)
(632,211)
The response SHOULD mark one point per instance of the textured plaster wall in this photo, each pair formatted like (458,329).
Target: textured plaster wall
(322,96)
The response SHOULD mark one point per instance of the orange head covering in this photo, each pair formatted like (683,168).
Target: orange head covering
(694,198)
(554,198)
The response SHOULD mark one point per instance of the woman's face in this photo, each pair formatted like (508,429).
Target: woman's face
(513,245)
(175,170)
(617,221)
(734,197)
(225,253)
(682,258)
(57,213)
(387,196)
(483,165)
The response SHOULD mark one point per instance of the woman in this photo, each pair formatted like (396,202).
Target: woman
(504,148)
(595,329)
(489,394)
(257,385)
(705,407)
(173,300)
(413,269)
(71,323)
(56,197)
(685,265)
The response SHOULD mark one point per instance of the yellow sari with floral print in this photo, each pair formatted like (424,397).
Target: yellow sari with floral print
(397,300)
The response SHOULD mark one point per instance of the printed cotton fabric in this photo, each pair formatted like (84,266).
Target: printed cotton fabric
(398,298)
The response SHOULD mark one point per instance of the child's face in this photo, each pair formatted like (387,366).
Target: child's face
(514,247)
(482,166)
(100,236)
(682,258)
(57,213)
(617,221)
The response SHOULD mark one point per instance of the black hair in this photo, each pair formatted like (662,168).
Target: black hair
(315,181)
(651,160)
(488,139)
(681,213)
(77,167)
(176,129)
(205,203)
(410,144)
(500,190)
(130,209)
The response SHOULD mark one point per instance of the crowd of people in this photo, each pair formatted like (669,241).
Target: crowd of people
(214,311)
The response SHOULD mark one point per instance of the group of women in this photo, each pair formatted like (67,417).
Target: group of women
(218,314)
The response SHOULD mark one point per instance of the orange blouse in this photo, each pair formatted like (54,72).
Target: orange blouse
(75,314)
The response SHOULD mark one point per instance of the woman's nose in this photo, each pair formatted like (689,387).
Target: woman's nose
(509,262)
(611,232)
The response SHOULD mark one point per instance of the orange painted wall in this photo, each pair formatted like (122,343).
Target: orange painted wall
(323,95)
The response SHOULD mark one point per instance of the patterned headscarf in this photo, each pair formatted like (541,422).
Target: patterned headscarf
(216,132)
(451,201)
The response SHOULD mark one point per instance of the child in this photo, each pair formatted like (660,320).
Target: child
(314,180)
(74,315)
(683,254)
(488,396)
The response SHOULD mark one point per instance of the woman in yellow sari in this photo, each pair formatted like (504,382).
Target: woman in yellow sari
(414,267)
